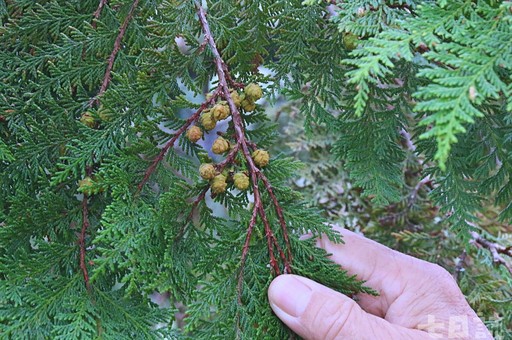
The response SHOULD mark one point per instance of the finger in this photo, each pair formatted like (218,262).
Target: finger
(387,271)
(314,312)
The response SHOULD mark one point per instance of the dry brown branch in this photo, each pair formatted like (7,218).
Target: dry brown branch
(497,250)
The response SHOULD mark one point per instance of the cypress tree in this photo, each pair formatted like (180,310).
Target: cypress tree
(137,155)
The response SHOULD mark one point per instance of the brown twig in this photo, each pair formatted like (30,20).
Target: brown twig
(196,202)
(97,13)
(229,158)
(272,242)
(230,80)
(173,140)
(269,236)
(117,47)
(83,234)
(241,140)
(243,146)
(407,140)
(198,199)
(497,250)
(281,219)
(245,251)
(414,193)
(255,174)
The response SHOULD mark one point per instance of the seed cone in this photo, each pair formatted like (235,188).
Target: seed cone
(220,146)
(207,171)
(218,184)
(220,112)
(88,119)
(253,91)
(248,105)
(236,98)
(194,133)
(84,185)
(261,158)
(241,181)
(207,121)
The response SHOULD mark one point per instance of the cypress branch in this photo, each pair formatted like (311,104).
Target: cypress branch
(116,49)
(391,118)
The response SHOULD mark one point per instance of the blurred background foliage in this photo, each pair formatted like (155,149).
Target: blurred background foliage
(413,225)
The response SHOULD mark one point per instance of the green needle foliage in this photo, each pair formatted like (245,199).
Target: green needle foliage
(101,200)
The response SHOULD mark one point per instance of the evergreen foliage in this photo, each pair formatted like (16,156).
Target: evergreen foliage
(102,203)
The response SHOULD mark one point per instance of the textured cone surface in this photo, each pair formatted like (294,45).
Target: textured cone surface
(207,171)
(220,112)
(207,121)
(261,158)
(84,185)
(88,119)
(248,105)
(194,134)
(219,184)
(241,181)
(253,91)
(220,146)
(236,98)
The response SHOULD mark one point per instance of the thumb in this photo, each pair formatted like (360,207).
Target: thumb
(314,311)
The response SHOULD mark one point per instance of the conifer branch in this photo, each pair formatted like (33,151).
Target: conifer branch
(196,202)
(497,250)
(258,206)
(173,140)
(241,140)
(407,78)
(413,196)
(272,242)
(97,13)
(282,222)
(85,200)
(245,252)
(117,47)
(83,234)
(229,158)
(199,198)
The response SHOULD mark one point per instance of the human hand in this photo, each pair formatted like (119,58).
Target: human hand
(418,299)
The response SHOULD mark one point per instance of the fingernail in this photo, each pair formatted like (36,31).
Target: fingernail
(290,294)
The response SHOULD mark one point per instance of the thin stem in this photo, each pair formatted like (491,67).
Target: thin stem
(282,222)
(245,251)
(241,140)
(496,250)
(229,159)
(97,13)
(173,140)
(196,202)
(271,241)
(414,193)
(117,47)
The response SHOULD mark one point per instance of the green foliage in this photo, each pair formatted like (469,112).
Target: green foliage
(466,65)
(385,90)
(414,224)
